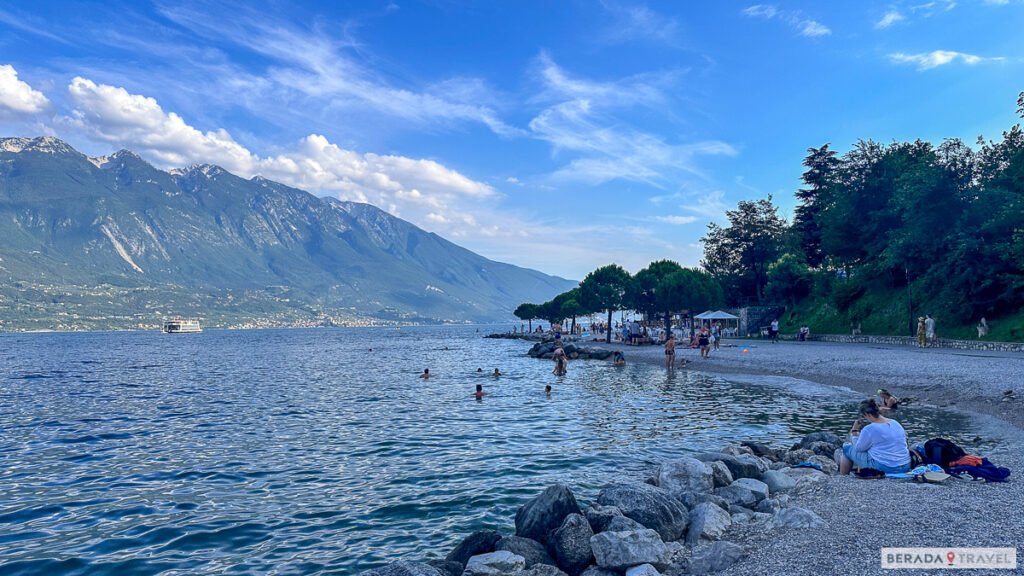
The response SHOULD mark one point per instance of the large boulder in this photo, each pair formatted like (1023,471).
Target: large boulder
(737,494)
(768,506)
(797,456)
(685,474)
(778,482)
(742,466)
(404,568)
(570,544)
(759,449)
(479,542)
(715,557)
(806,478)
(796,517)
(541,570)
(823,448)
(619,550)
(546,512)
(651,506)
(692,499)
(600,516)
(500,563)
(643,570)
(827,437)
(720,473)
(623,524)
(760,489)
(828,465)
(707,521)
(598,571)
(532,551)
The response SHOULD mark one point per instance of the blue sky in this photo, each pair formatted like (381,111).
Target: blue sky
(556,135)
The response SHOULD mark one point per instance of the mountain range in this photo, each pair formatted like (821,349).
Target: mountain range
(114,242)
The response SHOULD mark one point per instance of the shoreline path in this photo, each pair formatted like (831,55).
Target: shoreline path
(862,516)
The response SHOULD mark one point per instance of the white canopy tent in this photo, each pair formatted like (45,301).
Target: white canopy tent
(710,316)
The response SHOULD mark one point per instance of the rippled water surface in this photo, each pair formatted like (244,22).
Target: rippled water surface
(320,451)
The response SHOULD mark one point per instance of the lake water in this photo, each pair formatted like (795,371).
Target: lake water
(321,451)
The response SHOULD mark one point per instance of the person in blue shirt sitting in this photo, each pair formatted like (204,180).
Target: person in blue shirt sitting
(875,442)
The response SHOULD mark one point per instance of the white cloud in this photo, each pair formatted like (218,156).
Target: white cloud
(936,58)
(677,220)
(17,96)
(891,17)
(582,119)
(794,19)
(640,23)
(420,190)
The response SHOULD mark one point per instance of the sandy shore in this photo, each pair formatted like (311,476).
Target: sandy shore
(862,516)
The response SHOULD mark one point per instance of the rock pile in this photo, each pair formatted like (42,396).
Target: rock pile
(674,523)
(546,350)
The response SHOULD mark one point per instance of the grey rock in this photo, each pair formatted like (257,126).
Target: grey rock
(779,465)
(760,489)
(532,551)
(828,465)
(737,450)
(620,550)
(813,437)
(404,568)
(797,456)
(653,507)
(623,524)
(737,494)
(778,482)
(684,475)
(823,448)
(691,499)
(599,516)
(742,466)
(643,570)
(541,570)
(796,517)
(500,563)
(758,449)
(720,473)
(598,571)
(707,521)
(546,512)
(479,542)
(768,506)
(715,557)
(806,478)
(447,568)
(737,509)
(570,544)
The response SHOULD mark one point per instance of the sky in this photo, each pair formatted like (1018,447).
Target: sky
(560,136)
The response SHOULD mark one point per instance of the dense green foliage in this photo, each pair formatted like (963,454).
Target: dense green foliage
(884,230)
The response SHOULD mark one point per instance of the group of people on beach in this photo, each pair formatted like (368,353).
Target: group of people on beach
(926,330)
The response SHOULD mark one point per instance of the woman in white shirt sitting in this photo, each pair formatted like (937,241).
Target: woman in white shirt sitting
(881,444)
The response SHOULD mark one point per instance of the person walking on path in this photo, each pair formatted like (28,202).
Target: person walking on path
(929,329)
(920,332)
(670,351)
(775,331)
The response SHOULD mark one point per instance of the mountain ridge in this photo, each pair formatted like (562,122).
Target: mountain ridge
(205,242)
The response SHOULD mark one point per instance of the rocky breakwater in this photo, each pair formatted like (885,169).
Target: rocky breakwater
(678,521)
(546,350)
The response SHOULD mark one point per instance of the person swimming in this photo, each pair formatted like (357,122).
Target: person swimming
(479,369)
(426,374)
(496,373)
(547,389)
(479,391)
(889,402)
(560,360)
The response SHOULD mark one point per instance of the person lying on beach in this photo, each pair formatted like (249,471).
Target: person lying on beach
(889,402)
(496,373)
(618,359)
(426,374)
(875,442)
(479,391)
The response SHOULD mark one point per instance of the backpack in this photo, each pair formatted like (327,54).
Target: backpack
(941,451)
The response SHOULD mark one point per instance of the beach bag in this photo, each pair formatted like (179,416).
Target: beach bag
(941,451)
(987,471)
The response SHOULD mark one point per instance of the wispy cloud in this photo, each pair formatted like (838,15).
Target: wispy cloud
(16,96)
(640,23)
(936,58)
(324,67)
(31,26)
(582,119)
(792,18)
(888,19)
(676,219)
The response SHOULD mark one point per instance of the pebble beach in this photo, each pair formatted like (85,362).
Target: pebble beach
(862,516)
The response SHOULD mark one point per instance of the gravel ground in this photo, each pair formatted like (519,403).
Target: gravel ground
(862,516)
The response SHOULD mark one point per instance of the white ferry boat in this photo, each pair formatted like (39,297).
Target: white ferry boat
(181,325)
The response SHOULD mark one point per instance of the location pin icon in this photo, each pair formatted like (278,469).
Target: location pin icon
(950,556)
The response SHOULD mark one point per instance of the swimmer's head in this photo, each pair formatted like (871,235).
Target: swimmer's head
(479,388)
(479,369)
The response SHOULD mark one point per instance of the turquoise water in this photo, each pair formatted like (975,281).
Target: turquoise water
(303,451)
